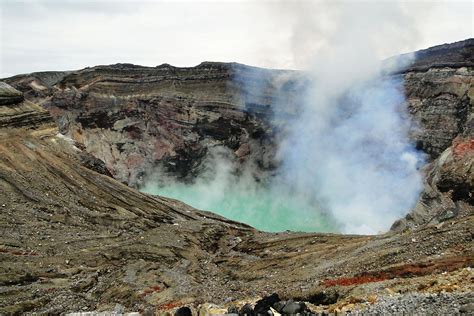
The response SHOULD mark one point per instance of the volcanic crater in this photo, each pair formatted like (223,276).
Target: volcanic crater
(77,235)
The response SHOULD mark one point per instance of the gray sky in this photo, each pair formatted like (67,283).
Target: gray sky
(41,35)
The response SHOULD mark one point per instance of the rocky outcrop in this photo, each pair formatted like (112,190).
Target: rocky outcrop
(440,92)
(139,118)
(449,187)
(37,87)
(9,95)
(453,55)
(439,89)
(15,112)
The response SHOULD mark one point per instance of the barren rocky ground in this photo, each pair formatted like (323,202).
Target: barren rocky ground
(76,236)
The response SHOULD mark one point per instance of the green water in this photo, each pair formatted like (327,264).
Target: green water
(263,209)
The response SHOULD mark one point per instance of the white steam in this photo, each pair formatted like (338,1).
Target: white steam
(346,161)
(349,145)
(352,151)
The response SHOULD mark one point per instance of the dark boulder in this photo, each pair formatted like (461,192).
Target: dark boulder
(262,306)
(183,311)
(247,310)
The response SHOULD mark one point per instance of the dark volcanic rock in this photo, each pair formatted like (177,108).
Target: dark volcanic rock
(183,311)
(263,305)
(292,308)
(440,102)
(454,55)
(9,95)
(93,163)
(246,310)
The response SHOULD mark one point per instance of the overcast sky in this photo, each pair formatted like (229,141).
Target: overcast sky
(41,35)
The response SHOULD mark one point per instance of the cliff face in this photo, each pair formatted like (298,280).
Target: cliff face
(439,89)
(440,92)
(137,118)
(17,112)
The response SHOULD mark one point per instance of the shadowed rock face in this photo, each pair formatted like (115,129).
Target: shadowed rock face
(440,92)
(440,102)
(136,118)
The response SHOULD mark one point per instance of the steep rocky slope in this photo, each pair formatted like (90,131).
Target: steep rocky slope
(73,239)
(440,91)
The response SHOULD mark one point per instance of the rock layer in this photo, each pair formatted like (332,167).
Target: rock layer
(15,112)
(440,92)
(9,95)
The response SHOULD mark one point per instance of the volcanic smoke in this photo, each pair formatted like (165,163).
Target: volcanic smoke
(346,163)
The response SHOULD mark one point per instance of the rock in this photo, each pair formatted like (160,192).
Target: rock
(93,163)
(448,189)
(247,310)
(15,112)
(274,312)
(85,284)
(467,309)
(390,291)
(137,122)
(437,86)
(119,309)
(323,298)
(262,306)
(292,308)
(372,298)
(233,310)
(211,309)
(9,95)
(278,306)
(440,102)
(183,311)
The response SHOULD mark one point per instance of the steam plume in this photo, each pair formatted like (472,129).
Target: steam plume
(346,163)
